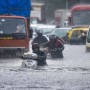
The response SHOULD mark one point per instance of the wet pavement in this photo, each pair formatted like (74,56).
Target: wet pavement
(70,73)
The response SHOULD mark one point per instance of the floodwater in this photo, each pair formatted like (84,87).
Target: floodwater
(70,73)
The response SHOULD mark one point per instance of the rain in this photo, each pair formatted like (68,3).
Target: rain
(72,72)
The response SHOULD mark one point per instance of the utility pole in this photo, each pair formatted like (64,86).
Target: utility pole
(66,5)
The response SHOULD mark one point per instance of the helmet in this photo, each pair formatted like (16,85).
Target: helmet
(39,32)
(35,47)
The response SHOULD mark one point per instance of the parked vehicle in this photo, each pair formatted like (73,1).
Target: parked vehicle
(61,32)
(12,15)
(75,35)
(45,29)
(88,40)
(80,15)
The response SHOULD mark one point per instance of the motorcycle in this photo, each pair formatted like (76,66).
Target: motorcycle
(45,49)
(56,53)
(28,60)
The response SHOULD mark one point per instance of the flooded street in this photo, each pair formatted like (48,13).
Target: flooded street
(70,73)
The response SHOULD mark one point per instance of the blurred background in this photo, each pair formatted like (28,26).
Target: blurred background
(52,5)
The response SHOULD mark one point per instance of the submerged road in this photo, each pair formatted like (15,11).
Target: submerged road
(70,73)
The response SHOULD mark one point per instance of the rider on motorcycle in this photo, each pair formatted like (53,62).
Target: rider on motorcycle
(40,39)
(41,57)
(56,46)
